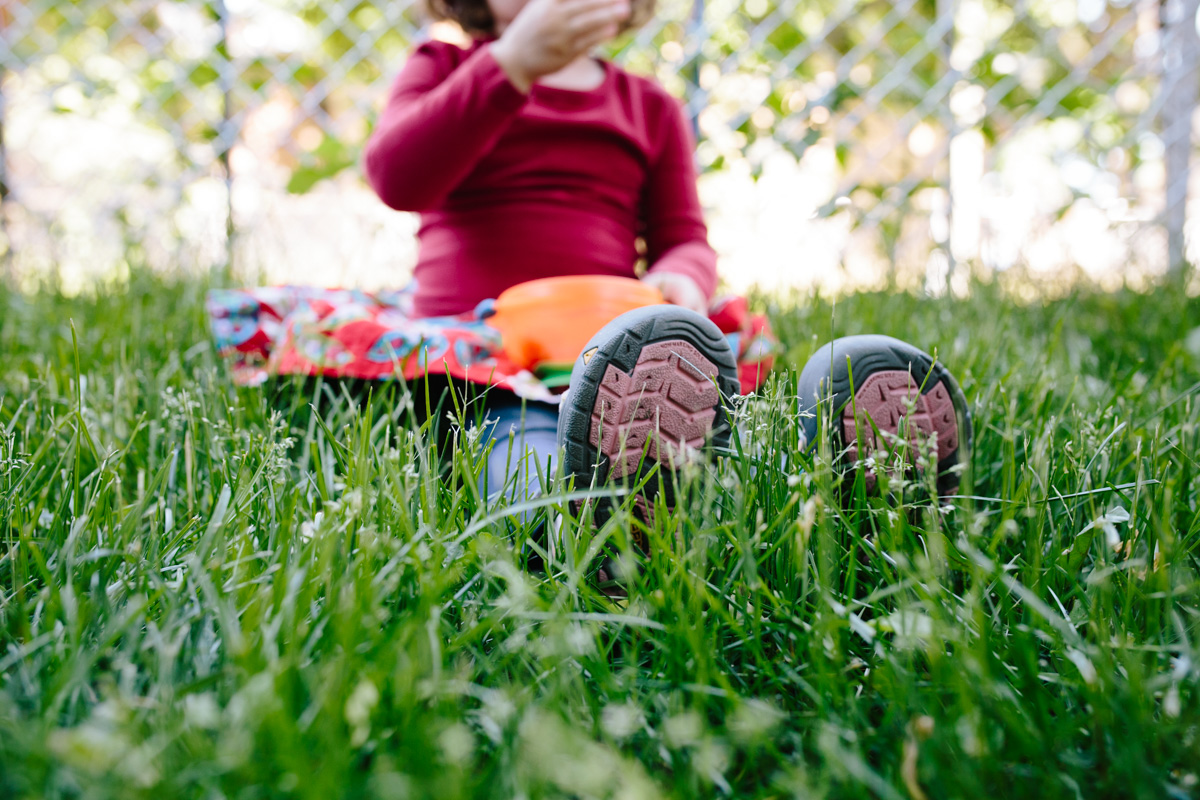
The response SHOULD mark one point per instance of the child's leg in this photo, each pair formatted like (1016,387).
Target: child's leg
(650,389)
(886,395)
(524,448)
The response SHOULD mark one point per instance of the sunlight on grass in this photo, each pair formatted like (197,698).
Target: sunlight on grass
(204,587)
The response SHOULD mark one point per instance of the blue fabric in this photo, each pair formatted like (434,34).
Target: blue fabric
(524,444)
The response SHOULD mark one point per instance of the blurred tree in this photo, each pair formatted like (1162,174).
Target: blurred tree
(887,84)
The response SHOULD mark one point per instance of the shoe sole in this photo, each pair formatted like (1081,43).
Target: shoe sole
(901,392)
(650,388)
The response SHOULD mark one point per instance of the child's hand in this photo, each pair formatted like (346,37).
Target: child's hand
(547,35)
(678,290)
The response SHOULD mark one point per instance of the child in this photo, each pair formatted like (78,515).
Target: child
(529,158)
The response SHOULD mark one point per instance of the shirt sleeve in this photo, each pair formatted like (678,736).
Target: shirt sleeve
(440,120)
(675,234)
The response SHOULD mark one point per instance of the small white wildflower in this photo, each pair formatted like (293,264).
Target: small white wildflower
(912,628)
(201,711)
(308,530)
(710,761)
(138,768)
(474,432)
(457,743)
(753,720)
(520,639)
(971,745)
(683,730)
(1172,704)
(579,640)
(359,705)
(494,715)
(622,720)
(91,747)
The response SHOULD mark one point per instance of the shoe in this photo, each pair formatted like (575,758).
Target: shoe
(897,387)
(650,390)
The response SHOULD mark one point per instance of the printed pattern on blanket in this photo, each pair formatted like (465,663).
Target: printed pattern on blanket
(348,333)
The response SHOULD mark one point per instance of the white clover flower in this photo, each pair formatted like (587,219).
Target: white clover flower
(201,711)
(457,743)
(359,705)
(753,720)
(579,640)
(710,761)
(683,730)
(308,530)
(622,720)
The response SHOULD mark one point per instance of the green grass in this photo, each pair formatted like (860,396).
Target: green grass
(212,592)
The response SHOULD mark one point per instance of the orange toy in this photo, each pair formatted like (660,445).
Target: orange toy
(545,323)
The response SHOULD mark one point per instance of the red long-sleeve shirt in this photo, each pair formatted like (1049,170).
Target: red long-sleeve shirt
(514,187)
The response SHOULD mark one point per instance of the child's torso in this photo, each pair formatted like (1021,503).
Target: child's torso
(561,192)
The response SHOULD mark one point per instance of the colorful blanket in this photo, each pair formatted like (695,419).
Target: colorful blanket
(347,333)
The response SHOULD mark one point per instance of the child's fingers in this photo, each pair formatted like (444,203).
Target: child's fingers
(586,42)
(584,15)
(573,7)
(592,22)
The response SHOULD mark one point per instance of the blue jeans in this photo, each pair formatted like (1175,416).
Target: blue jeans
(524,451)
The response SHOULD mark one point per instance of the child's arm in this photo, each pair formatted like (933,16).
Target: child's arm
(436,127)
(440,121)
(676,237)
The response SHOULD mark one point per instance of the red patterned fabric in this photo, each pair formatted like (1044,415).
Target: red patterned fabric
(346,333)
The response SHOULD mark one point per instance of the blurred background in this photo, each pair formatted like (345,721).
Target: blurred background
(842,144)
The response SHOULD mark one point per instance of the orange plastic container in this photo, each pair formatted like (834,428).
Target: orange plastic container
(546,323)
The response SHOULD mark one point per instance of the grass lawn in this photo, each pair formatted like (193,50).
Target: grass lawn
(211,592)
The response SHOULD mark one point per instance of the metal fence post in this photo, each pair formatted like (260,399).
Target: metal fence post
(6,57)
(695,26)
(6,255)
(226,136)
(1180,63)
(946,8)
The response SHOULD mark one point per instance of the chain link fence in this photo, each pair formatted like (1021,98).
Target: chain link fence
(841,142)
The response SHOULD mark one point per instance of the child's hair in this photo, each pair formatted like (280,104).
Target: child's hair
(475,18)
